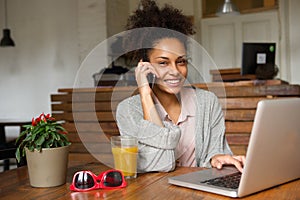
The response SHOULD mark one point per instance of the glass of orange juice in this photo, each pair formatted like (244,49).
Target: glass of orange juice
(125,149)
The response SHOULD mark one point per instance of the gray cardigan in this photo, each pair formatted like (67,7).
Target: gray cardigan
(157,144)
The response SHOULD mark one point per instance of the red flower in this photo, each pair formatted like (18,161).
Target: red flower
(37,120)
(63,132)
(41,116)
(33,122)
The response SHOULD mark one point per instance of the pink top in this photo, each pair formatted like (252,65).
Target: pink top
(185,150)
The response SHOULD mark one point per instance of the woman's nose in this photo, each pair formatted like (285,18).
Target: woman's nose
(174,68)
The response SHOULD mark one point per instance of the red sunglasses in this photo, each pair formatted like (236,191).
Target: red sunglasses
(86,180)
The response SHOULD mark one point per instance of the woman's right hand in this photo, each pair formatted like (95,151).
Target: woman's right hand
(141,73)
(149,110)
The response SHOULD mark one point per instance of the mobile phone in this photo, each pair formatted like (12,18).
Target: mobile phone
(151,79)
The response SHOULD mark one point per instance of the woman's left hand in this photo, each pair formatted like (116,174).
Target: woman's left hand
(219,160)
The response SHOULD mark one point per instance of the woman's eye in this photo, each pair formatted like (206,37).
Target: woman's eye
(163,63)
(181,62)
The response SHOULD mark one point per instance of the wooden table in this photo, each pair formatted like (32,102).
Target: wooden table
(14,184)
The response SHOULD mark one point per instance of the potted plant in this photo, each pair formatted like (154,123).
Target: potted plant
(46,146)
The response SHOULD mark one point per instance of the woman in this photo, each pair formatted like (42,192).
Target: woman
(175,125)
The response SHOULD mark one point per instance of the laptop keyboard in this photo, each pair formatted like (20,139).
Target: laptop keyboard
(231,181)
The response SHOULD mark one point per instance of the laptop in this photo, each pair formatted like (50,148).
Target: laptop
(272,156)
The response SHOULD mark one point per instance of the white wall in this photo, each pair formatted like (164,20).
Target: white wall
(45,57)
(51,41)
(92,31)
(294,40)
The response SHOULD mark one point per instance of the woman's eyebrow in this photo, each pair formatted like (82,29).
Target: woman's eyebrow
(162,57)
(183,56)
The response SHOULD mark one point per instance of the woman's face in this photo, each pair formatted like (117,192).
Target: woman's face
(169,59)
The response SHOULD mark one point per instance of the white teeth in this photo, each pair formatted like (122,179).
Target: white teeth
(173,81)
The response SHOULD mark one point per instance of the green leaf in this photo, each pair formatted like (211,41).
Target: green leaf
(30,148)
(58,136)
(64,137)
(28,138)
(39,130)
(18,155)
(55,144)
(40,140)
(60,128)
(49,142)
(60,143)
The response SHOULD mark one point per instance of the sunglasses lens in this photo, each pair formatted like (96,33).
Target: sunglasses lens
(84,180)
(113,179)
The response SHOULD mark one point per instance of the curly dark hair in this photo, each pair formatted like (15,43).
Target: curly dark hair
(169,22)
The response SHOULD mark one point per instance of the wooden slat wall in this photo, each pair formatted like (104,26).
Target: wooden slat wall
(93,110)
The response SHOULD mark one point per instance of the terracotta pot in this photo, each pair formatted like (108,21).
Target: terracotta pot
(47,168)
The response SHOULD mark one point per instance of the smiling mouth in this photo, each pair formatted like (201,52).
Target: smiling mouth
(173,82)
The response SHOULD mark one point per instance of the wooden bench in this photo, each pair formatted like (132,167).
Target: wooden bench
(90,112)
